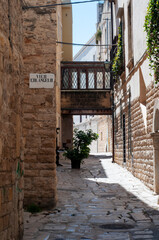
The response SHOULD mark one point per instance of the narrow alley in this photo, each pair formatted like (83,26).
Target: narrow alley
(79,77)
(101,201)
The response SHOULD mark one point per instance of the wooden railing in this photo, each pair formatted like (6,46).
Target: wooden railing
(84,76)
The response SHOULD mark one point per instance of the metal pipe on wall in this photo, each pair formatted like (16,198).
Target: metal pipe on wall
(112,84)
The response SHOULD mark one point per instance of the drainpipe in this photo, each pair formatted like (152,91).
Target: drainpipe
(112,83)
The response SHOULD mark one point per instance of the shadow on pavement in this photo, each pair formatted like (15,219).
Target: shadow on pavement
(93,204)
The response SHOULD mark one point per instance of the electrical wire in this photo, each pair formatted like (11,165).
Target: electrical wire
(87,45)
(59,4)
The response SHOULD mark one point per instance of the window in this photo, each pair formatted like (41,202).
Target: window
(142,88)
(123,38)
(130,39)
(143,98)
(121,114)
(129,127)
(115,125)
(108,5)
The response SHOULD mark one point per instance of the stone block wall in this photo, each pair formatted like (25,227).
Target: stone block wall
(141,163)
(11,149)
(105,134)
(39,106)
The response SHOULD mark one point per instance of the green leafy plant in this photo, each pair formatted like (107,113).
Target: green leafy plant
(151,27)
(98,35)
(81,141)
(118,60)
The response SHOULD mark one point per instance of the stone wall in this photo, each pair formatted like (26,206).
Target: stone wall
(105,134)
(39,106)
(135,94)
(67,54)
(141,162)
(11,154)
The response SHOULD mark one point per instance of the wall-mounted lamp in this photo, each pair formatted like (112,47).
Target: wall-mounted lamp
(107,65)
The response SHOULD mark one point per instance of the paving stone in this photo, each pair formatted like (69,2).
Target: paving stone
(156,222)
(143,232)
(43,236)
(143,237)
(139,216)
(88,200)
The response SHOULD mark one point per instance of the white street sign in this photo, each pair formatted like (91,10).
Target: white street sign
(45,80)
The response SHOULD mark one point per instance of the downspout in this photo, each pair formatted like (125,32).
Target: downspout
(112,84)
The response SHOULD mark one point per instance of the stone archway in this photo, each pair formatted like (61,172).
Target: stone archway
(155,136)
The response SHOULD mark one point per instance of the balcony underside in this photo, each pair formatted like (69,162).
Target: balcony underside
(86,102)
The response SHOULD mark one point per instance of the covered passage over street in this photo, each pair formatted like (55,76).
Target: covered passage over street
(86,88)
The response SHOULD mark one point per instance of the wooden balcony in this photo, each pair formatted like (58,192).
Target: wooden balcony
(84,76)
(85,88)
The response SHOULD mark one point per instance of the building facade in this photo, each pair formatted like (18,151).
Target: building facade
(11,142)
(103,34)
(87,53)
(67,55)
(135,96)
(39,106)
(102,125)
(30,116)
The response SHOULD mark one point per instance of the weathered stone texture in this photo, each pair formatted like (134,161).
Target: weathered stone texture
(39,126)
(85,101)
(142,164)
(11,154)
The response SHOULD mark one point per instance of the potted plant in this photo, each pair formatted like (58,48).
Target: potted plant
(80,149)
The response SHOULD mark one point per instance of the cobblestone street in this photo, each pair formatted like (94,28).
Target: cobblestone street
(101,201)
